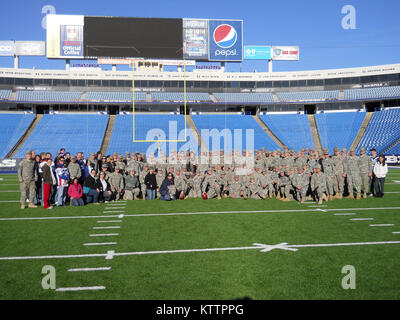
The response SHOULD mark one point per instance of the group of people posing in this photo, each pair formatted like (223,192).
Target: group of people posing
(263,174)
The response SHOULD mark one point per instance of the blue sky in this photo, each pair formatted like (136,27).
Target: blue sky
(315,26)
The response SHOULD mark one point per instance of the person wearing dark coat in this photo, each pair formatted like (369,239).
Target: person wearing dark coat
(91,188)
(164,190)
(151,185)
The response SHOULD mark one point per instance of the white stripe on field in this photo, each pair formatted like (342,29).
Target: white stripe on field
(393,192)
(81,288)
(89,269)
(381,225)
(198,213)
(114,227)
(99,243)
(109,221)
(254,247)
(396,232)
(10,191)
(112,211)
(9,200)
(344,214)
(103,234)
(361,219)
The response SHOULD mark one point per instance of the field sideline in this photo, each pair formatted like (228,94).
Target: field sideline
(196,249)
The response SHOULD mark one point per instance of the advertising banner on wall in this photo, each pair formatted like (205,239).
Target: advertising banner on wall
(71,41)
(285,53)
(225,40)
(257,52)
(6,48)
(195,39)
(30,48)
(64,36)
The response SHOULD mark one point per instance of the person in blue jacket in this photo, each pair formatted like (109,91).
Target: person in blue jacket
(164,190)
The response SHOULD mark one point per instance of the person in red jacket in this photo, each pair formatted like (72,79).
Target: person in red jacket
(75,192)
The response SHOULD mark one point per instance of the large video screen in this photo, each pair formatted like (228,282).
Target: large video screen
(133,37)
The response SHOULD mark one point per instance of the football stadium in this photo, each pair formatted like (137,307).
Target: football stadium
(146,167)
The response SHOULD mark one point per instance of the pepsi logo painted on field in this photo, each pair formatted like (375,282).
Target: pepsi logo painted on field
(225,36)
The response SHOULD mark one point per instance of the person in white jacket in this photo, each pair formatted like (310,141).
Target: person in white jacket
(380,171)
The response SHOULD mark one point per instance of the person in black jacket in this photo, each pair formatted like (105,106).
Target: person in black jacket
(151,185)
(91,188)
(105,189)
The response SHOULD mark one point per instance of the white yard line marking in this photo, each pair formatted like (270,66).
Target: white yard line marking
(318,206)
(10,201)
(256,246)
(111,221)
(99,243)
(199,213)
(10,191)
(110,254)
(344,214)
(120,216)
(381,225)
(114,227)
(361,219)
(81,288)
(393,192)
(89,269)
(396,232)
(112,211)
(103,234)
(112,208)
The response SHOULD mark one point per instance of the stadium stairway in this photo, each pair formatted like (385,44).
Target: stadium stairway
(200,142)
(269,131)
(24,137)
(314,132)
(213,99)
(107,134)
(361,131)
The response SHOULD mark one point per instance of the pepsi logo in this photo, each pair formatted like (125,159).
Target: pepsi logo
(225,36)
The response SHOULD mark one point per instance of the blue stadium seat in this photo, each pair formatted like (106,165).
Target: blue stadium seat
(244,97)
(75,132)
(338,129)
(179,96)
(382,131)
(308,95)
(292,129)
(47,96)
(13,126)
(232,122)
(148,127)
(5,94)
(102,96)
(395,150)
(371,93)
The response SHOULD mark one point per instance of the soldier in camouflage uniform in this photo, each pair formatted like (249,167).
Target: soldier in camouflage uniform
(353,175)
(236,189)
(267,183)
(160,176)
(132,186)
(328,168)
(340,173)
(197,180)
(300,184)
(116,182)
(284,186)
(211,185)
(255,190)
(27,176)
(74,169)
(366,167)
(104,169)
(318,184)
(142,175)
(121,164)
(180,184)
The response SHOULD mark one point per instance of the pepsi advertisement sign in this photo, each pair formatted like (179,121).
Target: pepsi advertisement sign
(225,40)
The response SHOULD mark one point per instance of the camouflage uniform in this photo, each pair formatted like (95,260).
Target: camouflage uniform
(132,189)
(27,176)
(116,182)
(366,166)
(353,175)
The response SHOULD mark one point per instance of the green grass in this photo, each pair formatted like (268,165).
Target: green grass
(309,273)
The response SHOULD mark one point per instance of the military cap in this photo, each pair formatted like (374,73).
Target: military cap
(326,151)
(317,166)
(73,157)
(336,149)
(104,165)
(362,149)
(92,153)
(344,149)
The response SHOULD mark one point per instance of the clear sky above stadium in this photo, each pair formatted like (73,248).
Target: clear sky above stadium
(314,25)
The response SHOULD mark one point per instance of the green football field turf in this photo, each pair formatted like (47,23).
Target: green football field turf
(156,246)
